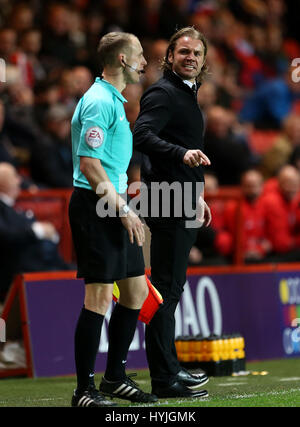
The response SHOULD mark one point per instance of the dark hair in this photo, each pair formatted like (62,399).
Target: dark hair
(186,32)
(111,44)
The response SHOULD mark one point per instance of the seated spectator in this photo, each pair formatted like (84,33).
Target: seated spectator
(116,15)
(83,79)
(8,43)
(76,31)
(25,244)
(19,101)
(228,152)
(288,183)
(6,152)
(26,57)
(283,148)
(172,12)
(271,102)
(144,16)
(294,159)
(207,96)
(16,137)
(155,53)
(51,159)
(264,57)
(10,153)
(276,54)
(216,205)
(57,46)
(204,252)
(21,17)
(249,11)
(285,197)
(68,89)
(47,93)
(265,233)
(94,29)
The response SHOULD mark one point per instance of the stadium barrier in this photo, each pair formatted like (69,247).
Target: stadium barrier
(52,205)
(262,302)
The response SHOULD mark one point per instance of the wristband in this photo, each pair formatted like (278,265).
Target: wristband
(124,210)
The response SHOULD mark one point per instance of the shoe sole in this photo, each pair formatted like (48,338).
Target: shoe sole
(111,404)
(183,397)
(116,396)
(193,387)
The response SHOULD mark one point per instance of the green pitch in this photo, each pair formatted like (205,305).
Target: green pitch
(280,387)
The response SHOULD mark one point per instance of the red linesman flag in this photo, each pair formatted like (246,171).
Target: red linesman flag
(151,304)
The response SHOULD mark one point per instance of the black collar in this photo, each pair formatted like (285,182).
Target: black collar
(177,81)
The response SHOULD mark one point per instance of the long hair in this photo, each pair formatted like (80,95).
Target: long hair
(186,32)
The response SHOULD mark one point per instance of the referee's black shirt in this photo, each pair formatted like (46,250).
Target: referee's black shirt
(169,124)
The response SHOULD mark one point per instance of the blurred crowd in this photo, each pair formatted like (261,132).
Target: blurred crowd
(50,51)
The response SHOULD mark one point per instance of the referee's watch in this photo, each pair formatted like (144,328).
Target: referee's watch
(124,210)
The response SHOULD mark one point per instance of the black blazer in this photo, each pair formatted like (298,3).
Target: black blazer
(15,236)
(169,124)
(21,250)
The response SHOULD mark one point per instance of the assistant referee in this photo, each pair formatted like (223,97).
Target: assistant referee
(108,248)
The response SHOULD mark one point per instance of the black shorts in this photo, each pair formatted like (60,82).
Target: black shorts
(103,250)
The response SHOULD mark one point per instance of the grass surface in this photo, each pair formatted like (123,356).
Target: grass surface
(279,388)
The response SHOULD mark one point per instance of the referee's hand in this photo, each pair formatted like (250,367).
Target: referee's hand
(195,158)
(135,228)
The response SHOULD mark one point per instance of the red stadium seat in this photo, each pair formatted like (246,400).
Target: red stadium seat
(45,210)
(262,140)
(52,206)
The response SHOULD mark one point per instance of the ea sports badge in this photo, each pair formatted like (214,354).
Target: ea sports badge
(94,137)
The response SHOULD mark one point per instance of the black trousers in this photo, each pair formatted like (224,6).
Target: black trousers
(171,243)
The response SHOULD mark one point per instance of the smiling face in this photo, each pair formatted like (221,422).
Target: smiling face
(187,58)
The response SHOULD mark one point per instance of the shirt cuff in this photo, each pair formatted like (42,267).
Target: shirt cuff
(38,230)
(40,234)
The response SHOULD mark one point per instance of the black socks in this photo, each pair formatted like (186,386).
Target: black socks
(87,340)
(121,331)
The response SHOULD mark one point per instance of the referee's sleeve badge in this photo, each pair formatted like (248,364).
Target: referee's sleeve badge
(94,137)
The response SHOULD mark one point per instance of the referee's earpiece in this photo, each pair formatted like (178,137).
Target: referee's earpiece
(133,68)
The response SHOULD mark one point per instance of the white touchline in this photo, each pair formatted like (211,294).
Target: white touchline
(235,396)
(233,383)
(270,393)
(28,399)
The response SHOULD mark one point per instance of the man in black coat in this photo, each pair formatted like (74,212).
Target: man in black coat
(25,244)
(169,131)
